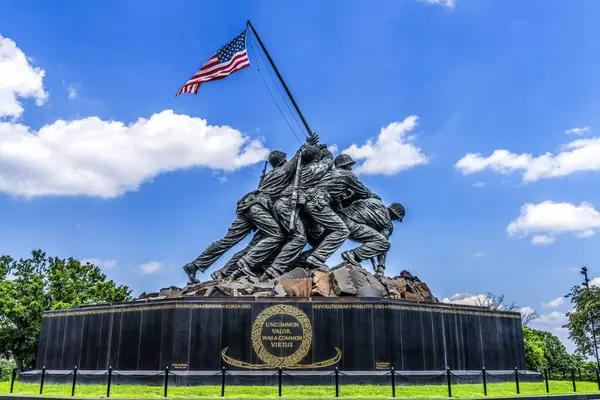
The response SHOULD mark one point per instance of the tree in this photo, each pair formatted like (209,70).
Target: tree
(534,349)
(6,368)
(545,350)
(586,308)
(44,283)
(497,303)
(556,354)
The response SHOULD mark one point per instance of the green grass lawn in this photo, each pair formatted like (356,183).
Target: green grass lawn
(356,391)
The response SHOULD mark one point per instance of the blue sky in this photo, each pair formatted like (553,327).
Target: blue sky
(479,116)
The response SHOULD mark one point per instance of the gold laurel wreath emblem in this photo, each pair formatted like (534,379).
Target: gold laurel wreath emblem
(272,361)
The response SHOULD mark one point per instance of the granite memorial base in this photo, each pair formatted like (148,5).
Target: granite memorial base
(252,338)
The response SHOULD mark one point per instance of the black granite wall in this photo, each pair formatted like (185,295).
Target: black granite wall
(191,334)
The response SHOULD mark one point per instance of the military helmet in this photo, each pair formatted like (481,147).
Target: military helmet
(397,210)
(310,153)
(343,160)
(276,157)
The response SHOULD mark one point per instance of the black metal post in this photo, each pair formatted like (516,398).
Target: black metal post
(337,382)
(287,90)
(517,380)
(14,376)
(449,382)
(587,285)
(74,381)
(564,375)
(598,378)
(109,381)
(42,380)
(546,379)
(166,380)
(280,374)
(484,381)
(573,379)
(393,372)
(223,382)
(579,372)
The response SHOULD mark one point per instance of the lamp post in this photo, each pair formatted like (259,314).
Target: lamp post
(586,282)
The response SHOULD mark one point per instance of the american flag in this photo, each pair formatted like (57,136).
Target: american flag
(229,59)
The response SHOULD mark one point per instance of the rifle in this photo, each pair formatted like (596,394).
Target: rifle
(312,139)
(295,192)
(262,176)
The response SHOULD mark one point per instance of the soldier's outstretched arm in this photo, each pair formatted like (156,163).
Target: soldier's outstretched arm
(360,190)
(290,166)
(326,157)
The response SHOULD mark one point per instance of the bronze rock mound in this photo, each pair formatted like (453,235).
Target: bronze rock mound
(344,280)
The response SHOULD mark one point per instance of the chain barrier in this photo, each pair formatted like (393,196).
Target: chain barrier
(251,379)
(373,375)
(464,378)
(307,376)
(28,373)
(503,376)
(535,378)
(189,376)
(349,378)
(416,378)
(135,375)
(92,376)
(193,380)
(58,375)
(358,379)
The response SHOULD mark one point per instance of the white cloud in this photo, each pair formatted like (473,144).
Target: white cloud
(18,80)
(579,155)
(557,302)
(553,322)
(478,184)
(478,254)
(391,153)
(468,299)
(578,131)
(554,318)
(526,311)
(72,93)
(105,159)
(104,264)
(548,219)
(542,239)
(586,233)
(333,148)
(92,157)
(481,300)
(150,267)
(595,282)
(445,3)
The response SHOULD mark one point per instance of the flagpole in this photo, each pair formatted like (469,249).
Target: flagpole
(294,198)
(287,90)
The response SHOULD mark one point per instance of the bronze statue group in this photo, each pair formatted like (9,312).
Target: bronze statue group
(312,198)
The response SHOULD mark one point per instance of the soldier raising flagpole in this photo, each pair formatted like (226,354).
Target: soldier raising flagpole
(296,202)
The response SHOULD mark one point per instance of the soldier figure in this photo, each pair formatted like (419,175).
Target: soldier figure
(316,161)
(370,223)
(315,183)
(254,211)
(273,183)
